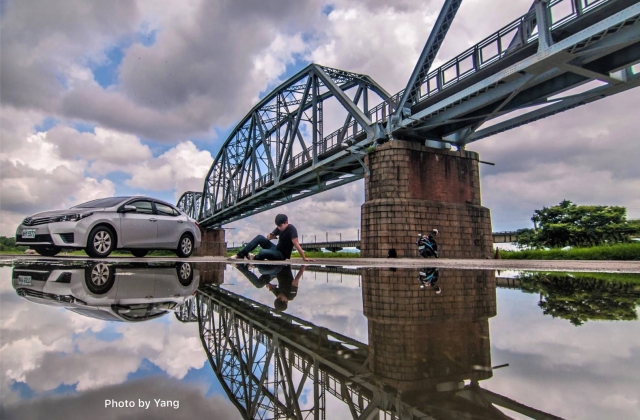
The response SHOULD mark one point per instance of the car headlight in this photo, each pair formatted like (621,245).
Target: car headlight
(72,217)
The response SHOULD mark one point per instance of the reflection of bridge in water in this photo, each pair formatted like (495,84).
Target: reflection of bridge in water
(426,357)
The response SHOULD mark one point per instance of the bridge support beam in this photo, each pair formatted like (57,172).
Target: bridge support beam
(413,189)
(213,244)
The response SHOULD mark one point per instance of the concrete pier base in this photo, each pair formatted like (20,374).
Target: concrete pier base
(413,189)
(213,244)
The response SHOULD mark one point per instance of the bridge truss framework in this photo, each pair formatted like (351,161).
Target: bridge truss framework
(279,152)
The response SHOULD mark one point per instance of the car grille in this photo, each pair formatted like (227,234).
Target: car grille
(41,221)
(38,238)
(67,237)
(48,296)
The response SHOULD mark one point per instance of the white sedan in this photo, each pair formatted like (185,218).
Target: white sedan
(137,224)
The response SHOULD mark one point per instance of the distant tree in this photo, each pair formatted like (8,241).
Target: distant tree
(568,224)
(9,244)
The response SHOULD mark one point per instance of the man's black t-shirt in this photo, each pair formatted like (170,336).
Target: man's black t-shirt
(285,284)
(285,244)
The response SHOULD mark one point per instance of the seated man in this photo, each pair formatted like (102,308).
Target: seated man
(288,238)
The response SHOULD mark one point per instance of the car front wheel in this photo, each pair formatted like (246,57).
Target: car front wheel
(102,241)
(185,246)
(99,278)
(47,251)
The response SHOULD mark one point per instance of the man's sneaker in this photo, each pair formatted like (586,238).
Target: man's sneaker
(235,257)
(251,257)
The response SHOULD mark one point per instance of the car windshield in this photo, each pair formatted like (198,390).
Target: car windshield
(102,202)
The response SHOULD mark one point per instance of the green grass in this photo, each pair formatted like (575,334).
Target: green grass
(619,252)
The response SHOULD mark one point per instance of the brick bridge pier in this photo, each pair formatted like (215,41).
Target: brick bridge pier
(413,189)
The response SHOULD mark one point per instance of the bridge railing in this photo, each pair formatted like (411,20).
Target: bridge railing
(498,45)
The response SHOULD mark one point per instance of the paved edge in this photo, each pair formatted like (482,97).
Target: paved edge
(488,264)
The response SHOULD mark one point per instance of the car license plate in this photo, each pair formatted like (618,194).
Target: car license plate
(421,247)
(28,233)
(24,280)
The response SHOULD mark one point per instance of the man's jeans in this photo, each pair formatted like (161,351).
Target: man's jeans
(269,249)
(267,273)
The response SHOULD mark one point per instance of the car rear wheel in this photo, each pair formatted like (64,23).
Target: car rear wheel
(102,241)
(99,278)
(139,252)
(185,246)
(47,251)
(185,273)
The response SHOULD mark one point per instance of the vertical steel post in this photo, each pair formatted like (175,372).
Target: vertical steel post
(543,18)
(314,102)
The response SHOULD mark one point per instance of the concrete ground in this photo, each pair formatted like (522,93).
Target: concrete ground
(533,265)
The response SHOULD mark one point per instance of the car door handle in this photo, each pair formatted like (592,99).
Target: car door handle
(180,221)
(153,219)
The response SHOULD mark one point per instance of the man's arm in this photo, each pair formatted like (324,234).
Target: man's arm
(271,236)
(299,275)
(299,248)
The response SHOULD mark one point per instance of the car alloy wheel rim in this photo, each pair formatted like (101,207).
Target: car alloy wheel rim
(100,274)
(186,245)
(185,271)
(102,241)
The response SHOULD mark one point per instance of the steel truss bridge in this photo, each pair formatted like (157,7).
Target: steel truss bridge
(277,366)
(291,145)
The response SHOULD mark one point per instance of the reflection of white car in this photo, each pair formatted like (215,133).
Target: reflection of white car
(122,292)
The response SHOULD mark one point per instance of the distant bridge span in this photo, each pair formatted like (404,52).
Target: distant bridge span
(279,152)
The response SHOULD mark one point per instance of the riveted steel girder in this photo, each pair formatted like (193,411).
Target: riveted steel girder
(190,203)
(279,153)
(436,38)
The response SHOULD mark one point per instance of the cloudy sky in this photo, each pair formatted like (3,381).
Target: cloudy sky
(137,97)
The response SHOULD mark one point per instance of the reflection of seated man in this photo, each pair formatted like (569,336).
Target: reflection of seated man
(287,288)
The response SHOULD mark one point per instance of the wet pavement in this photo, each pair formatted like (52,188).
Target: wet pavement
(151,338)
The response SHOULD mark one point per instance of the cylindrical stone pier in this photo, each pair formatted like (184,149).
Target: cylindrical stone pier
(414,189)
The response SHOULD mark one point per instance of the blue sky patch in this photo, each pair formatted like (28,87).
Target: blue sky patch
(147,368)
(326,10)
(107,74)
(46,125)
(83,127)
(146,38)
(23,390)
(206,376)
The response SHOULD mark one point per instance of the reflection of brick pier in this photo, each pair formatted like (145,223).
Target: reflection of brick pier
(423,341)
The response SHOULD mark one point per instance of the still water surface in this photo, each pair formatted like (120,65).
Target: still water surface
(185,340)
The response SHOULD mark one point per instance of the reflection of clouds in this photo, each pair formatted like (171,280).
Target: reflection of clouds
(174,347)
(192,403)
(46,347)
(587,372)
(321,300)
(535,333)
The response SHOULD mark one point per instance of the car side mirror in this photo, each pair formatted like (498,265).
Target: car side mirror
(128,209)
